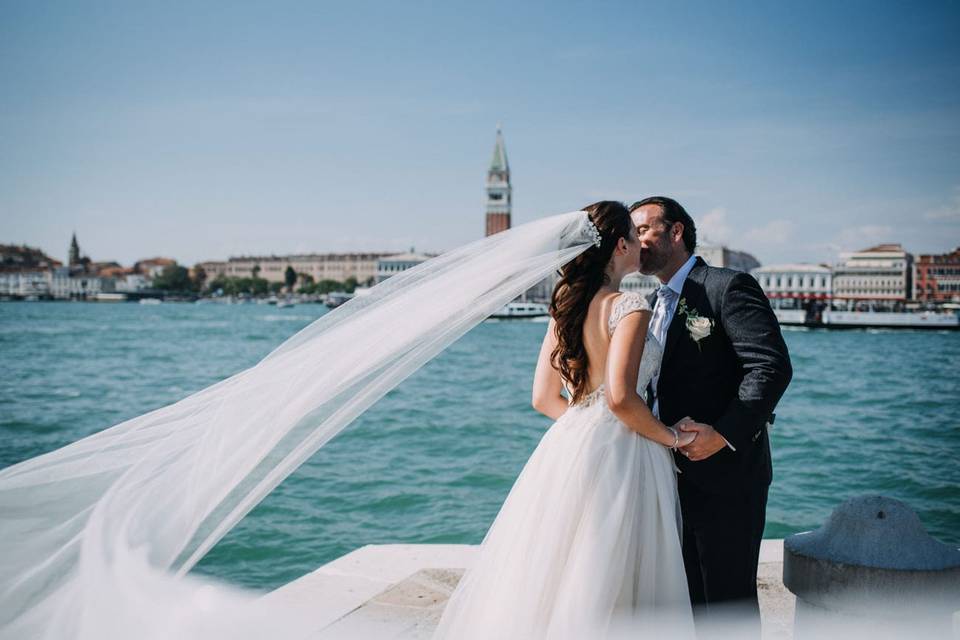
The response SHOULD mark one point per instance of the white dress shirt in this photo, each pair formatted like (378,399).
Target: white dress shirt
(676,284)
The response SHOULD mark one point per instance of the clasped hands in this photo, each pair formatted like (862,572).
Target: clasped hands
(698,441)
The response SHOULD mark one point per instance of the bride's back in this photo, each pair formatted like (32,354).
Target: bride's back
(596,336)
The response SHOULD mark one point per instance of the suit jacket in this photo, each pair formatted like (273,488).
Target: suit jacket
(731,380)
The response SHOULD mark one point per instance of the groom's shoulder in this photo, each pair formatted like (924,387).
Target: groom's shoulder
(721,278)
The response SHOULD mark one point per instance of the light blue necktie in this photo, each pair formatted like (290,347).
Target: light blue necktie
(661,313)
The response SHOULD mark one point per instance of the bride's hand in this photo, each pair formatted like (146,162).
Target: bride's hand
(686,437)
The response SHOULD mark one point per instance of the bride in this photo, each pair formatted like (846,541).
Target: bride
(589,534)
(99,537)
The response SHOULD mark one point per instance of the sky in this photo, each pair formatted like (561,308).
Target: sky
(790,130)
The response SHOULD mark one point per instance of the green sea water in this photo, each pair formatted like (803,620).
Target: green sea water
(868,412)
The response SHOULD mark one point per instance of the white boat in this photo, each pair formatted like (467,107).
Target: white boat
(282,304)
(337,298)
(109,297)
(831,319)
(152,301)
(522,310)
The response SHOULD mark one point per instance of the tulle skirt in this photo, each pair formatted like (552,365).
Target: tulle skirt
(587,543)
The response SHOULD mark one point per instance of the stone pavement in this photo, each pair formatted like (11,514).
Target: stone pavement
(399,591)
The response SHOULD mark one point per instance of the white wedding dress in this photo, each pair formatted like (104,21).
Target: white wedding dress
(587,542)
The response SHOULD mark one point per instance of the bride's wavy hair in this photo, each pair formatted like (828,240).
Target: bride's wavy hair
(580,279)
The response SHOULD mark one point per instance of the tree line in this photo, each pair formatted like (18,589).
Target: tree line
(178,279)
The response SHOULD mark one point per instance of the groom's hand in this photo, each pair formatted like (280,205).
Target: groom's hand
(707,442)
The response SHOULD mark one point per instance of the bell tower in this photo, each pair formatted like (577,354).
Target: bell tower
(498,189)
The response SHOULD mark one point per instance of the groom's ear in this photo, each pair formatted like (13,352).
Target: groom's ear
(677,231)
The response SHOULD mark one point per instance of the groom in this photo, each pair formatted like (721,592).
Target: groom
(725,365)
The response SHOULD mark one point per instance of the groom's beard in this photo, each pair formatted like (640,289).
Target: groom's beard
(652,261)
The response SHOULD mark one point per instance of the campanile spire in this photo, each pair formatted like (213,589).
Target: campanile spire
(499,191)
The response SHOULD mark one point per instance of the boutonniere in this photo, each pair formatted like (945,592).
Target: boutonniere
(698,326)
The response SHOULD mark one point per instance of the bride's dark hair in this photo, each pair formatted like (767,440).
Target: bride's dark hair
(580,279)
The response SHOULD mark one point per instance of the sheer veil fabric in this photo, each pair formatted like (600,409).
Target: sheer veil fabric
(98,536)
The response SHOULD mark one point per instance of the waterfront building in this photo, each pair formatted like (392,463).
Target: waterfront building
(132,282)
(320,266)
(24,284)
(636,281)
(793,286)
(392,265)
(499,191)
(937,277)
(57,283)
(65,285)
(880,276)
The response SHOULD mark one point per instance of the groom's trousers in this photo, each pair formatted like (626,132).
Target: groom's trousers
(721,550)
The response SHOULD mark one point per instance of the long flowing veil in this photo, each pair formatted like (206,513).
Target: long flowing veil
(96,538)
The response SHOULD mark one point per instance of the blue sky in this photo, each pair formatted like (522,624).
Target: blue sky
(790,130)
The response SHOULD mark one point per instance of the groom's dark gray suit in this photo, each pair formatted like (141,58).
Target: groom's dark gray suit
(731,380)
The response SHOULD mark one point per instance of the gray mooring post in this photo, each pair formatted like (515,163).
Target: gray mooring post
(872,571)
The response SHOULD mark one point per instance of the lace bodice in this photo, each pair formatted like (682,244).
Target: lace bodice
(630,302)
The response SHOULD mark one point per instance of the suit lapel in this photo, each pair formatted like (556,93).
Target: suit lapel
(691,292)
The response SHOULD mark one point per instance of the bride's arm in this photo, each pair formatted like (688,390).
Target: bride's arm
(623,367)
(547,384)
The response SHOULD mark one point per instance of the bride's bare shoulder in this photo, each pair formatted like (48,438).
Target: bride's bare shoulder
(604,300)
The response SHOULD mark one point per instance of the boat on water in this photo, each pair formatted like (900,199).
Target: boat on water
(337,298)
(521,311)
(831,319)
(109,297)
(152,301)
(286,302)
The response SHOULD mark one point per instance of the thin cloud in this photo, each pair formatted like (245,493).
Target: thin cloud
(775,232)
(714,227)
(947,213)
(864,236)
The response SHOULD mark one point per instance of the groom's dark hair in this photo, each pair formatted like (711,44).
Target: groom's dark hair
(673,211)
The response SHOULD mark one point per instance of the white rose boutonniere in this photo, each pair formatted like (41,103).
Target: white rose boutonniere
(698,326)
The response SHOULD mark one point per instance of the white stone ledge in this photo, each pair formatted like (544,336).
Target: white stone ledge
(333,592)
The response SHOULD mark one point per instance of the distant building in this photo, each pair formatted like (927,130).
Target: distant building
(792,286)
(499,191)
(152,267)
(74,252)
(77,264)
(24,284)
(320,266)
(640,283)
(392,265)
(29,273)
(132,283)
(24,258)
(713,254)
(717,255)
(881,274)
(937,277)
(54,283)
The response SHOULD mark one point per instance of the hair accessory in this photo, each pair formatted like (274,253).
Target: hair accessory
(594,233)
